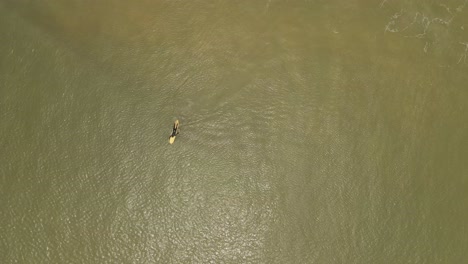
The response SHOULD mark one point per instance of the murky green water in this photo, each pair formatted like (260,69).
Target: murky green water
(311,131)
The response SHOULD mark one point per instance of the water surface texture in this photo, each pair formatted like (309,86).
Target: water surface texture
(311,131)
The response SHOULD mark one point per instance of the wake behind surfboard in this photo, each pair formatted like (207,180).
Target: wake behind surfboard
(175,131)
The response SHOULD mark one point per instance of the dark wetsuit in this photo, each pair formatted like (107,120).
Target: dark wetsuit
(174,131)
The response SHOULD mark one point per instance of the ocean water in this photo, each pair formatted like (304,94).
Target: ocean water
(311,131)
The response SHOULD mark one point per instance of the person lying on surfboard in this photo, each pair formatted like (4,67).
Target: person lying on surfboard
(175,132)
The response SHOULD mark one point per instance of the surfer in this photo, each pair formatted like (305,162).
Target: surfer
(175,132)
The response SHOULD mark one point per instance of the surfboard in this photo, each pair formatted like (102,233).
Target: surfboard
(176,127)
